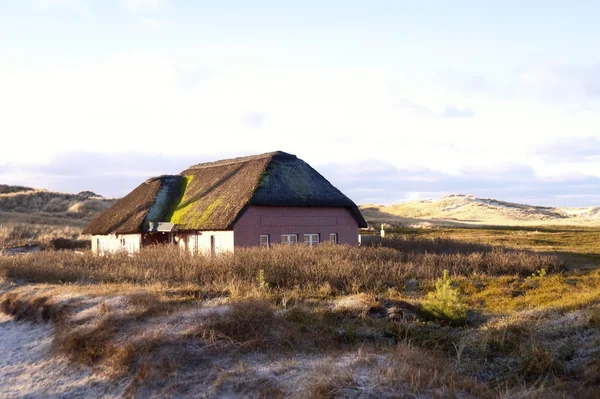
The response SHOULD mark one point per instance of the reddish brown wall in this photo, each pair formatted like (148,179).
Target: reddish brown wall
(288,220)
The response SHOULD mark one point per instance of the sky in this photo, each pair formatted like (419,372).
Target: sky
(390,100)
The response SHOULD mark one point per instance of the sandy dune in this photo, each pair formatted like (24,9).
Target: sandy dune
(27,368)
(459,209)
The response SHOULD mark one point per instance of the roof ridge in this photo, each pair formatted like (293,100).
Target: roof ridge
(232,161)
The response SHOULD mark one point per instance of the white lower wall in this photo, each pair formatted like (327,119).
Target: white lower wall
(112,243)
(195,242)
(202,241)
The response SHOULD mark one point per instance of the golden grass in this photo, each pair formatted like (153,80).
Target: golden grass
(578,245)
(21,234)
(345,269)
(37,217)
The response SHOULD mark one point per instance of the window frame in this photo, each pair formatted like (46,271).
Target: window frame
(214,248)
(310,241)
(335,238)
(287,239)
(267,244)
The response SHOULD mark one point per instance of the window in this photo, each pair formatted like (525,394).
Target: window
(192,243)
(131,244)
(264,240)
(333,238)
(216,244)
(311,239)
(103,246)
(289,239)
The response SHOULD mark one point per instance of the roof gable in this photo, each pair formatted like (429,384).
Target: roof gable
(129,214)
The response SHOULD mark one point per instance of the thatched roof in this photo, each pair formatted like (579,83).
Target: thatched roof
(212,196)
(129,214)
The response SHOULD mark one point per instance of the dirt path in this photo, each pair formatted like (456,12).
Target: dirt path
(29,370)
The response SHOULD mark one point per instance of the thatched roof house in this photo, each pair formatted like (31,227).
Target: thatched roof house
(253,200)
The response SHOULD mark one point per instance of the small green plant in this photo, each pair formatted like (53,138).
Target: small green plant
(445,302)
(262,283)
(539,273)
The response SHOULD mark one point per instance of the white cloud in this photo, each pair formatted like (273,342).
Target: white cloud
(561,84)
(136,102)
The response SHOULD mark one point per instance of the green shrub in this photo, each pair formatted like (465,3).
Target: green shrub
(539,273)
(445,302)
(262,283)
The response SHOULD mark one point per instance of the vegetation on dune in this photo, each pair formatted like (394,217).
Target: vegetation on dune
(49,203)
(444,302)
(20,234)
(38,217)
(346,269)
(328,321)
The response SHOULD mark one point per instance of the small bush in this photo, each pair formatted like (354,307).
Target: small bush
(445,302)
(539,273)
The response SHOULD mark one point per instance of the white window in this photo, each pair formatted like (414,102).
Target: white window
(192,243)
(216,244)
(131,245)
(103,245)
(264,240)
(333,238)
(289,239)
(311,239)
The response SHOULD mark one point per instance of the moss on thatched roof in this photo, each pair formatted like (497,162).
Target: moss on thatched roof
(212,196)
(128,215)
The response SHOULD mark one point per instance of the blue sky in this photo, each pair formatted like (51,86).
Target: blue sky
(392,100)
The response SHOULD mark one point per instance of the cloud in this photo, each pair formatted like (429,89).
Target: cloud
(451,111)
(414,109)
(574,85)
(561,84)
(383,183)
(465,82)
(115,175)
(254,119)
(104,173)
(572,149)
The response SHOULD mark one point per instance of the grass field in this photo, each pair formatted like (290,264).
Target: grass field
(521,320)
(578,245)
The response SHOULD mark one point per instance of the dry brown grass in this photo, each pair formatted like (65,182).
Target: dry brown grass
(21,234)
(37,217)
(48,203)
(142,338)
(345,269)
(343,346)
(330,321)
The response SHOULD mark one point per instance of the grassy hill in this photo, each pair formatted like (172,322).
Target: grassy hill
(36,216)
